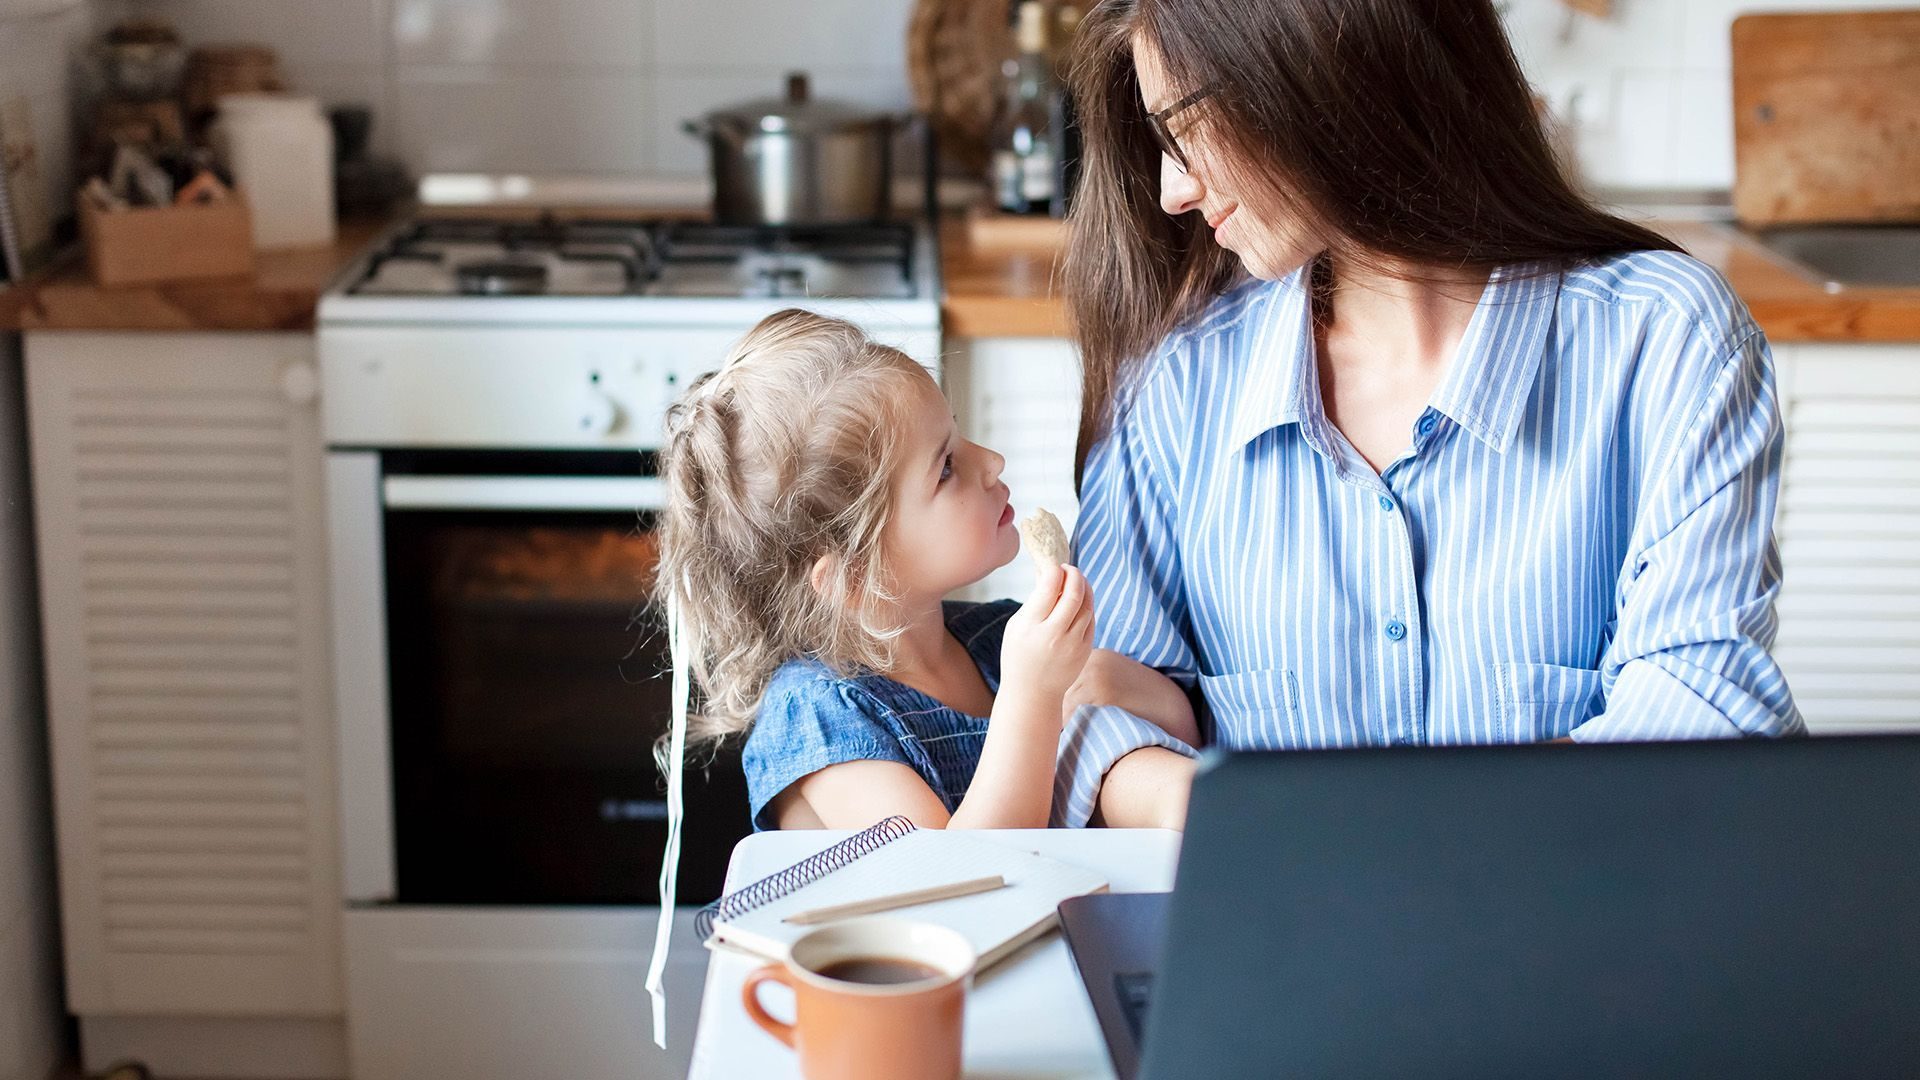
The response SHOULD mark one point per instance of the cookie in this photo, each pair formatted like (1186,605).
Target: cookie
(1046,540)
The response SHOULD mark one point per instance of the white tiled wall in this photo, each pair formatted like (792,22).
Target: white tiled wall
(1649,91)
(602,85)
(595,86)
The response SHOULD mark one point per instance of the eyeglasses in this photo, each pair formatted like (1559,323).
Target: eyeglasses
(1163,135)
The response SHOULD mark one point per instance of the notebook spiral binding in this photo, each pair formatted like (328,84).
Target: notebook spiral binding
(800,874)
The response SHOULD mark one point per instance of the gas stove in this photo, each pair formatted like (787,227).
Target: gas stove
(532,330)
(547,257)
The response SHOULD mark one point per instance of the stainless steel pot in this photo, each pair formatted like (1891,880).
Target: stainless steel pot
(797,161)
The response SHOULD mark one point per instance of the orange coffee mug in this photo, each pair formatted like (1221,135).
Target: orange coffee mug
(874,999)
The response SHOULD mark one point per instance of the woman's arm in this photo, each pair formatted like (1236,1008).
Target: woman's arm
(1113,679)
(1690,657)
(1147,789)
(1127,544)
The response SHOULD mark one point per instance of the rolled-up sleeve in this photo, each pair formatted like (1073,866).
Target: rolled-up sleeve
(1126,544)
(1689,658)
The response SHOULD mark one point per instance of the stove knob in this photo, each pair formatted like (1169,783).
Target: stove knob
(598,413)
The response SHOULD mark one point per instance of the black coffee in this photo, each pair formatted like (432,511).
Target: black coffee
(879,970)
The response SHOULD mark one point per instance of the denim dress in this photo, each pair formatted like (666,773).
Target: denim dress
(810,719)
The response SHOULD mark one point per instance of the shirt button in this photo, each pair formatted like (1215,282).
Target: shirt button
(1396,630)
(1386,504)
(1427,424)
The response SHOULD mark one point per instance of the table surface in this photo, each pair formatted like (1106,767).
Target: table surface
(1027,1016)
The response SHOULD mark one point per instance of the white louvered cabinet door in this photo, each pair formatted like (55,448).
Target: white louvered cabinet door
(1849,530)
(177,491)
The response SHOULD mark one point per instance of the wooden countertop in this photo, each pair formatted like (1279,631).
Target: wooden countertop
(1009,291)
(1002,291)
(1793,308)
(280,294)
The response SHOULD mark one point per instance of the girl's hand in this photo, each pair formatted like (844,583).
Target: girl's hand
(1045,644)
(1049,638)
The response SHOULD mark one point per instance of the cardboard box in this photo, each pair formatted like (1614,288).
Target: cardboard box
(146,244)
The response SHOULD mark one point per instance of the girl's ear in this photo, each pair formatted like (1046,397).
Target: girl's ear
(822,573)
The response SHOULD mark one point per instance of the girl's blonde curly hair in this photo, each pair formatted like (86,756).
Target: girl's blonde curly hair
(784,455)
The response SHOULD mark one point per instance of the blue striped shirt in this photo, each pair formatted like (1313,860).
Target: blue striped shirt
(1577,540)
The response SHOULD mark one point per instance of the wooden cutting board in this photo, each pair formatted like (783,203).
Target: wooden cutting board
(1827,117)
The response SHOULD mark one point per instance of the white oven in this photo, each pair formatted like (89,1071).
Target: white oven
(492,494)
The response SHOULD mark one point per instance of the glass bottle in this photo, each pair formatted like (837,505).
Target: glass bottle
(1064,119)
(1023,150)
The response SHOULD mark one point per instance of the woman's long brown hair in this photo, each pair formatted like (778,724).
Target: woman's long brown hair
(1401,130)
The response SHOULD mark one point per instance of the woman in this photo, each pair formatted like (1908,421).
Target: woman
(1389,436)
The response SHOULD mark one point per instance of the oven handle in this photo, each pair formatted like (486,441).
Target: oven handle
(612,493)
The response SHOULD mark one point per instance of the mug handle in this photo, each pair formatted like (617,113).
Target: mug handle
(750,997)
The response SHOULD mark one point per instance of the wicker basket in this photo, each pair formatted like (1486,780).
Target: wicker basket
(954,52)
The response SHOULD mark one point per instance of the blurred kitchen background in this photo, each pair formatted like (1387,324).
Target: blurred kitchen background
(601,86)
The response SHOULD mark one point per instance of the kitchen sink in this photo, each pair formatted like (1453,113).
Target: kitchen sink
(1848,255)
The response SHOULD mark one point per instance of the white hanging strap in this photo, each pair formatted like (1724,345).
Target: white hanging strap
(676,810)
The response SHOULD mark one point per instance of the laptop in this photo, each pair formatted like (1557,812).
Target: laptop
(1724,909)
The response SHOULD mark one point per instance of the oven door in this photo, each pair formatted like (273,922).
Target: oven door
(521,683)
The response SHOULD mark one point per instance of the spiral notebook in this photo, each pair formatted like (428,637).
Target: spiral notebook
(894,857)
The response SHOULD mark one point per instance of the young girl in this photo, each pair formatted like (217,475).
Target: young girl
(820,504)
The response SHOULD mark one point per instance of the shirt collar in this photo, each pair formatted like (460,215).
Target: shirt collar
(1279,364)
(1485,389)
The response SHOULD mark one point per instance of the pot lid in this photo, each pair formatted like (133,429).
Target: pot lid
(798,111)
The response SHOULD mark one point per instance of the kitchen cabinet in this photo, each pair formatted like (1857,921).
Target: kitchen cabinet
(181,541)
(1849,530)
(1848,522)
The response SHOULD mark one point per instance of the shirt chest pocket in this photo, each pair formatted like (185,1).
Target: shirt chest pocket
(1539,702)
(1255,710)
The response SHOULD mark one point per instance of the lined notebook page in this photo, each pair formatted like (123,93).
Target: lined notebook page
(995,922)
